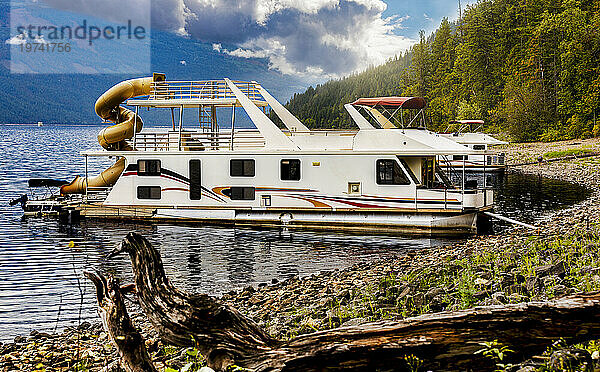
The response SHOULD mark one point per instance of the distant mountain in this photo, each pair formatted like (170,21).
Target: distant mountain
(65,98)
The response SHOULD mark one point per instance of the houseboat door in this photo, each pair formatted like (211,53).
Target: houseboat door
(195,175)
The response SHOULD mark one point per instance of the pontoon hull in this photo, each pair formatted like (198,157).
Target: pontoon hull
(422,223)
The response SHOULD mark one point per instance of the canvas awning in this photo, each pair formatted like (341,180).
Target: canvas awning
(392,102)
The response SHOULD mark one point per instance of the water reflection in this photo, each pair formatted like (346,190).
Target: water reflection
(39,273)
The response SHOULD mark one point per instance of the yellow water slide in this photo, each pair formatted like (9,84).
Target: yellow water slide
(114,137)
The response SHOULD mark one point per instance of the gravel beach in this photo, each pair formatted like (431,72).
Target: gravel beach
(559,258)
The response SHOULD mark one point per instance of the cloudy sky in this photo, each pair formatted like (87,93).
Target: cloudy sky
(325,38)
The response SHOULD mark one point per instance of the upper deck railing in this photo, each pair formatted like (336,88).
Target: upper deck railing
(194,140)
(202,90)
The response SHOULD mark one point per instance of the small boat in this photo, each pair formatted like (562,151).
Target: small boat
(484,158)
(40,124)
(204,169)
(43,199)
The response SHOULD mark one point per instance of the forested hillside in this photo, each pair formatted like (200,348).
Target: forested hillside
(529,68)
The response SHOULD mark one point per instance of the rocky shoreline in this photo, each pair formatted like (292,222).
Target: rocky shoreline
(561,257)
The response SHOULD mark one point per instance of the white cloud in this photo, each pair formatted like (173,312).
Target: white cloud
(319,37)
(23,39)
(16,40)
(247,53)
(40,39)
(306,37)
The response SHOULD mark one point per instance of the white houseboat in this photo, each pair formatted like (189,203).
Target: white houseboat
(484,158)
(211,171)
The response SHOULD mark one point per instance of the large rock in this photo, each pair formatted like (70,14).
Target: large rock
(558,269)
(571,359)
(434,292)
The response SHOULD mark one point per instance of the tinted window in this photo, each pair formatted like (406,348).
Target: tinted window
(478,147)
(460,157)
(241,168)
(148,192)
(242,193)
(148,167)
(390,173)
(290,170)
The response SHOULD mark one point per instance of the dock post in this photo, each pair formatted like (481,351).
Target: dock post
(463,182)
(173,118)
(135,125)
(445,197)
(232,125)
(180,126)
(86,177)
(484,181)
(416,198)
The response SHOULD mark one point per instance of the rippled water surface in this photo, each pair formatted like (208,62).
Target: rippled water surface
(41,286)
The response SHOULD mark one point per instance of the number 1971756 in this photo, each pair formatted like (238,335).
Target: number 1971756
(45,47)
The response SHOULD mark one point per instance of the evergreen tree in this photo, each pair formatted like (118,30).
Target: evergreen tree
(529,68)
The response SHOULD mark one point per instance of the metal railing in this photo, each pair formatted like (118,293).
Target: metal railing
(495,159)
(321,133)
(452,198)
(199,140)
(97,194)
(209,89)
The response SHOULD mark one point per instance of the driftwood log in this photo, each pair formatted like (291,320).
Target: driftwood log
(115,319)
(443,341)
(224,335)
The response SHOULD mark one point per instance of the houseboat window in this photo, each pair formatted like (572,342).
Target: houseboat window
(242,193)
(478,147)
(241,168)
(148,192)
(148,167)
(460,157)
(390,173)
(290,170)
(195,180)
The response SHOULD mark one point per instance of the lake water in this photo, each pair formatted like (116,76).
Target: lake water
(41,286)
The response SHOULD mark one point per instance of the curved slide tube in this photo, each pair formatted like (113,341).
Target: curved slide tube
(114,137)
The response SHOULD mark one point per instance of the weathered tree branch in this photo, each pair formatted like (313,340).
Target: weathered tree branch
(221,331)
(128,340)
(445,340)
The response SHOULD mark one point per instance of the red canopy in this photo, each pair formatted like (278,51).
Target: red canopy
(392,102)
